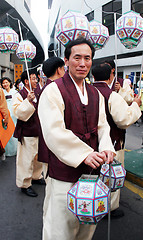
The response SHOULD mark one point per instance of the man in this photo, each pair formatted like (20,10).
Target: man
(120,85)
(74,125)
(28,169)
(40,84)
(119,116)
(5,117)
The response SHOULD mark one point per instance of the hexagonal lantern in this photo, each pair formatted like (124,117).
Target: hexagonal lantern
(130,29)
(71,26)
(9,40)
(30,50)
(99,34)
(88,199)
(118,174)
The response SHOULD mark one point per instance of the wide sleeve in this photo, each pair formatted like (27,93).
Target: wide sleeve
(22,109)
(104,139)
(3,106)
(122,114)
(126,93)
(62,142)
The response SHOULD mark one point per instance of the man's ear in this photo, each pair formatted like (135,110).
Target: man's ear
(26,81)
(66,62)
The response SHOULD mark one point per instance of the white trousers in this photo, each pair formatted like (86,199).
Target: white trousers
(58,222)
(27,166)
(115,196)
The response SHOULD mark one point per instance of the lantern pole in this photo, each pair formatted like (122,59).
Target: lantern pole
(141,74)
(109,212)
(24,55)
(115,26)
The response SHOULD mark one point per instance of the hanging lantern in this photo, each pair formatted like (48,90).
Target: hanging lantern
(130,29)
(71,26)
(118,174)
(88,199)
(99,34)
(9,40)
(29,48)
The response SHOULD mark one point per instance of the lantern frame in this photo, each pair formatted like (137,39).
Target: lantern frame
(29,48)
(9,40)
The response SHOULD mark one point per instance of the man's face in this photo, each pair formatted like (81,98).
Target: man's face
(79,62)
(33,80)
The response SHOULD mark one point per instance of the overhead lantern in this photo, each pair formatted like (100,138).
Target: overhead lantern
(9,40)
(99,34)
(88,199)
(118,174)
(130,29)
(71,26)
(29,49)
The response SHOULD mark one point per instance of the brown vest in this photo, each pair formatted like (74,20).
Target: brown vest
(82,120)
(116,133)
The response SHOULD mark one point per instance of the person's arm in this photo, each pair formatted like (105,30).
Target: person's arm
(126,93)
(22,109)
(122,114)
(3,107)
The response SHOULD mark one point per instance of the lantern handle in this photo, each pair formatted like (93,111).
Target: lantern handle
(115,26)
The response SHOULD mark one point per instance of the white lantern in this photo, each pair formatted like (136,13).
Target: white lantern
(130,29)
(88,199)
(99,34)
(71,26)
(9,40)
(29,48)
(118,174)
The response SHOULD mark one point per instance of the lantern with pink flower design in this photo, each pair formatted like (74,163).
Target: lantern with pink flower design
(118,174)
(9,40)
(29,49)
(130,29)
(99,34)
(88,199)
(71,26)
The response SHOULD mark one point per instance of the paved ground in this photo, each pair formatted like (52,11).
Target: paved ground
(21,216)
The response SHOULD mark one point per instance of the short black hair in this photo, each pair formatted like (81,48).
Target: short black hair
(8,79)
(51,65)
(24,75)
(111,63)
(17,82)
(75,42)
(101,72)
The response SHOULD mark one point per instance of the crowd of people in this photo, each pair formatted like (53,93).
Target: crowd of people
(66,127)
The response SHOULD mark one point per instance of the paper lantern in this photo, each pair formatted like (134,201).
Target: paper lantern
(118,174)
(99,34)
(130,29)
(71,26)
(29,48)
(9,40)
(88,199)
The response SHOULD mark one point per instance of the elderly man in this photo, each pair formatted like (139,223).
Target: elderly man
(74,126)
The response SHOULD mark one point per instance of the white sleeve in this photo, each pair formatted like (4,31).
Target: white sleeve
(126,93)
(122,114)
(22,109)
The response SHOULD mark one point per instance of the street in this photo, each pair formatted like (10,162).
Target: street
(21,216)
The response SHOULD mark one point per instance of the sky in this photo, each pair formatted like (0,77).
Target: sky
(39,14)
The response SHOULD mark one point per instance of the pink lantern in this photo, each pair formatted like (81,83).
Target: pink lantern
(88,199)
(118,174)
(99,34)
(29,48)
(130,29)
(71,26)
(9,40)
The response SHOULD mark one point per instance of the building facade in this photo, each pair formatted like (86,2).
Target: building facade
(10,65)
(128,60)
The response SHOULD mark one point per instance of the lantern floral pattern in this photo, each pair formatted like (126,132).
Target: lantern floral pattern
(71,26)
(29,48)
(9,40)
(130,29)
(88,199)
(99,34)
(118,174)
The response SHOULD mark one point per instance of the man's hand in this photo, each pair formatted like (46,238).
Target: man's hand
(117,86)
(95,159)
(109,156)
(137,99)
(31,96)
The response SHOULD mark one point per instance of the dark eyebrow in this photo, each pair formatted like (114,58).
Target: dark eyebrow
(78,55)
